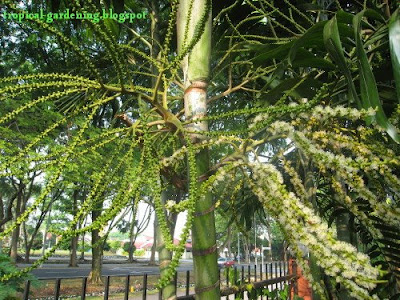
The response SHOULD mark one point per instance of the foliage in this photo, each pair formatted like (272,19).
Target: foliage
(38,240)
(232,275)
(86,248)
(126,247)
(107,246)
(9,290)
(305,90)
(278,294)
(140,252)
(114,245)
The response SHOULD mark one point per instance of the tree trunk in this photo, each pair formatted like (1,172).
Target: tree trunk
(73,259)
(46,229)
(270,241)
(27,254)
(82,257)
(16,231)
(229,240)
(14,244)
(97,250)
(131,236)
(27,244)
(246,250)
(196,72)
(152,261)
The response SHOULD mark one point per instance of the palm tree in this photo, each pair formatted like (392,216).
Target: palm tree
(284,76)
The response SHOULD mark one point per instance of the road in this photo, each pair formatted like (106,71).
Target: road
(110,269)
(63,271)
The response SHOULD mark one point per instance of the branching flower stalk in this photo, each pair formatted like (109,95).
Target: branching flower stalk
(353,162)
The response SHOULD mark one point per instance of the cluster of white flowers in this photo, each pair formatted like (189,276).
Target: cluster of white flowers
(170,204)
(339,259)
(346,168)
(259,118)
(323,113)
(280,127)
(168,161)
(391,214)
(329,152)
(325,159)
(386,212)
(349,204)
(364,160)
(296,181)
(221,175)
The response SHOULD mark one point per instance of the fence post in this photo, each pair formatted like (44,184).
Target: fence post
(144,286)
(227,269)
(261,278)
(83,292)
(26,290)
(187,282)
(294,271)
(266,277)
(107,288)
(126,297)
(242,282)
(235,279)
(57,289)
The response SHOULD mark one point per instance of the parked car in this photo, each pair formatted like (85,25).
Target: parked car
(225,262)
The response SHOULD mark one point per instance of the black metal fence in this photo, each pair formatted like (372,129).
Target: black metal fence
(233,281)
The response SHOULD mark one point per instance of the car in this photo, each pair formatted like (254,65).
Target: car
(225,262)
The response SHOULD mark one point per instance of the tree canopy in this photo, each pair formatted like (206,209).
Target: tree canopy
(301,114)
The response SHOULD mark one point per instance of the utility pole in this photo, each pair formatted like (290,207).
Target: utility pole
(262,257)
(238,252)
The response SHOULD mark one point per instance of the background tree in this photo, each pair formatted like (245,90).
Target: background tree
(272,91)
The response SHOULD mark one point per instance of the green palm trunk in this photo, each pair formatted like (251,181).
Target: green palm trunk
(164,257)
(196,71)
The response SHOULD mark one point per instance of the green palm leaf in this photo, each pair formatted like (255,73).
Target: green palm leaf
(394,42)
(369,90)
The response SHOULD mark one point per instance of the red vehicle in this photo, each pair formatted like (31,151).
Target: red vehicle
(225,262)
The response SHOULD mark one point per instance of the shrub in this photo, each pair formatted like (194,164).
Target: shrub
(126,247)
(140,252)
(106,246)
(115,245)
(86,247)
(9,289)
